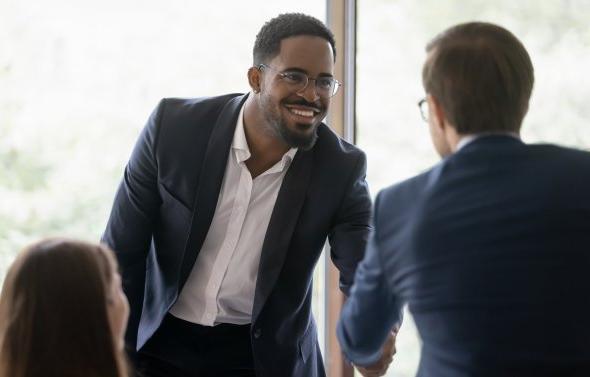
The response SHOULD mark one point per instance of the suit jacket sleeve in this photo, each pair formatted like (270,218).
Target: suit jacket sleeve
(130,226)
(349,235)
(371,311)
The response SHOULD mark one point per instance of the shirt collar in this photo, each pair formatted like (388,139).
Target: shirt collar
(472,137)
(239,143)
(242,150)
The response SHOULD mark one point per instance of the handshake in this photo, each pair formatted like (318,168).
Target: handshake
(380,367)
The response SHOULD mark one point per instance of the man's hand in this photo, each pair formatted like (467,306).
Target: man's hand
(380,367)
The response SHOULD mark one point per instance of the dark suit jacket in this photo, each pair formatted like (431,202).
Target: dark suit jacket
(165,204)
(491,250)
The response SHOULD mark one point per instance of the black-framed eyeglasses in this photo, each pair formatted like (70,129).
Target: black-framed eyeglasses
(325,86)
(423,106)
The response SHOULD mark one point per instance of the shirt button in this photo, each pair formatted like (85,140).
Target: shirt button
(257,333)
(209,316)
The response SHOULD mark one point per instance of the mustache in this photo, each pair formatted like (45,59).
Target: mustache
(301,102)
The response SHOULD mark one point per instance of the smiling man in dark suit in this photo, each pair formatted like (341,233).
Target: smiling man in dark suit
(491,247)
(223,211)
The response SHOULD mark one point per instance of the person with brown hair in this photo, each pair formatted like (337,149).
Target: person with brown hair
(490,247)
(63,312)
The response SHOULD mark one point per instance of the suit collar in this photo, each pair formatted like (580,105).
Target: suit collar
(492,143)
(285,213)
(281,226)
(210,180)
(467,139)
(491,140)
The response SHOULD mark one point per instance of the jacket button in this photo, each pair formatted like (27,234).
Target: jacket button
(257,333)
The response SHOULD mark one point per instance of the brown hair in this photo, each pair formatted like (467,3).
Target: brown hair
(482,76)
(53,313)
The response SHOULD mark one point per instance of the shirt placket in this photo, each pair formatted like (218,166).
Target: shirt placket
(226,251)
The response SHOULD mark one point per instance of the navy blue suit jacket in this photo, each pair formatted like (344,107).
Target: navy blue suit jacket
(165,204)
(491,251)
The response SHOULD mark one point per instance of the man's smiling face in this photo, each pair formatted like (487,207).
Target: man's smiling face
(295,115)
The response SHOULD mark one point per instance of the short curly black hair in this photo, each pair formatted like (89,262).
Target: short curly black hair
(268,39)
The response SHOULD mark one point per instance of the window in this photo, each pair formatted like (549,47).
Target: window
(80,78)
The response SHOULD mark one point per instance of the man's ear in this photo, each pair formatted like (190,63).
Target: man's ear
(437,112)
(254,79)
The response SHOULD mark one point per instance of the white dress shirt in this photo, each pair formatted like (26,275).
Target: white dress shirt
(221,285)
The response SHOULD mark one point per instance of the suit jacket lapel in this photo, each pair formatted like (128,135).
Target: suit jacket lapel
(281,226)
(210,181)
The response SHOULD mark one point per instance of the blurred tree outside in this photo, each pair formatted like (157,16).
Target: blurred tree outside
(78,79)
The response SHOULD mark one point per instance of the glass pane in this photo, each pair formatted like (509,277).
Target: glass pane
(391,40)
(78,80)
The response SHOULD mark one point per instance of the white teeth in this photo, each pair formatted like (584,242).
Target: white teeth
(305,113)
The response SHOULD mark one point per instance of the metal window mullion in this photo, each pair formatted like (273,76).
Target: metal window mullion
(341,18)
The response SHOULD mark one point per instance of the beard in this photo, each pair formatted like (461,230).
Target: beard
(299,137)
(295,139)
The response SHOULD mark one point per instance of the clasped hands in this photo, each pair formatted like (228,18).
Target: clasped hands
(380,367)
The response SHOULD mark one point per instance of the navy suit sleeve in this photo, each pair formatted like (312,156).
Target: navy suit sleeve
(350,233)
(371,311)
(130,226)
